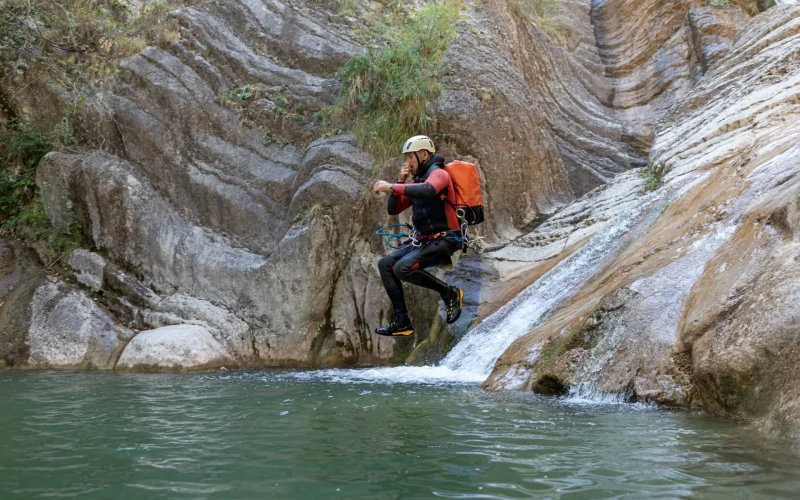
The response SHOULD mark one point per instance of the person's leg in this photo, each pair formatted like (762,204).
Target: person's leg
(393,286)
(401,325)
(410,268)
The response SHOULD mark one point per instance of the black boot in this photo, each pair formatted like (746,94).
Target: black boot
(453,303)
(400,327)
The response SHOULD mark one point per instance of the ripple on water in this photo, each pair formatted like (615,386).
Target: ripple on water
(360,434)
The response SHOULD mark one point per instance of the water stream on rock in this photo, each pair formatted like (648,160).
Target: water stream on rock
(478,351)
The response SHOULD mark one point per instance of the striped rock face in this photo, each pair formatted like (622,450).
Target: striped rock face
(699,307)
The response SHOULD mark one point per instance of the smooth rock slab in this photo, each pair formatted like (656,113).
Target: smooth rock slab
(174,348)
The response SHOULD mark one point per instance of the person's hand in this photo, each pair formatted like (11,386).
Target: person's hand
(405,171)
(382,187)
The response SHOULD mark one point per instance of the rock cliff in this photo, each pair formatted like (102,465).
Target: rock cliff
(252,216)
(700,308)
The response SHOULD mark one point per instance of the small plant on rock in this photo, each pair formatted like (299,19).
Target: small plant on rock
(651,180)
(385,92)
(542,14)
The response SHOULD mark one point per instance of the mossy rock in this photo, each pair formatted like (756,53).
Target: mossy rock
(435,347)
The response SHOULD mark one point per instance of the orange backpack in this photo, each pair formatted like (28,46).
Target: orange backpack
(467,185)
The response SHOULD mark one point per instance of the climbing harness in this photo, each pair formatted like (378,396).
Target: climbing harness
(459,235)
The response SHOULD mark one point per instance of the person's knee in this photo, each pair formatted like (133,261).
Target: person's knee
(400,270)
(403,268)
(385,264)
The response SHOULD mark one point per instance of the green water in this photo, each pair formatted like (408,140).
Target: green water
(301,435)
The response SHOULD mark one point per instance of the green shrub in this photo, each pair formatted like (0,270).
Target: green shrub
(651,180)
(31,223)
(385,92)
(541,13)
(22,146)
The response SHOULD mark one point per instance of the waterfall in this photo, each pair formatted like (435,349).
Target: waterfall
(480,348)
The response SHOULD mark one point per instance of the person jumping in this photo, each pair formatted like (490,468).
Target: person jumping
(432,198)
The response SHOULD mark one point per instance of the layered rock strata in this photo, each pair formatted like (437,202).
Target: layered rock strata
(701,309)
(600,91)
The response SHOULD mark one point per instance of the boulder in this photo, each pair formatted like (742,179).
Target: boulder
(178,347)
(69,330)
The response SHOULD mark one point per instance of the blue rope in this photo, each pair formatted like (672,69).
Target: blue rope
(394,236)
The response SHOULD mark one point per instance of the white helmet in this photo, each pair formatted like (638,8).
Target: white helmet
(418,143)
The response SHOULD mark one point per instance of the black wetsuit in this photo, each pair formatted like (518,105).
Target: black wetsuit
(432,215)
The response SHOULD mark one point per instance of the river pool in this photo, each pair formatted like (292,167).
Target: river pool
(340,434)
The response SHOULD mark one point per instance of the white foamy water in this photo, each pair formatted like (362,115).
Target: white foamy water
(587,394)
(390,375)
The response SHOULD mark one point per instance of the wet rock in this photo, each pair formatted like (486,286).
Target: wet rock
(569,226)
(179,347)
(742,323)
(747,363)
(597,136)
(233,211)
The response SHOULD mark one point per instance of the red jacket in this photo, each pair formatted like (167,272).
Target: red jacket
(427,195)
